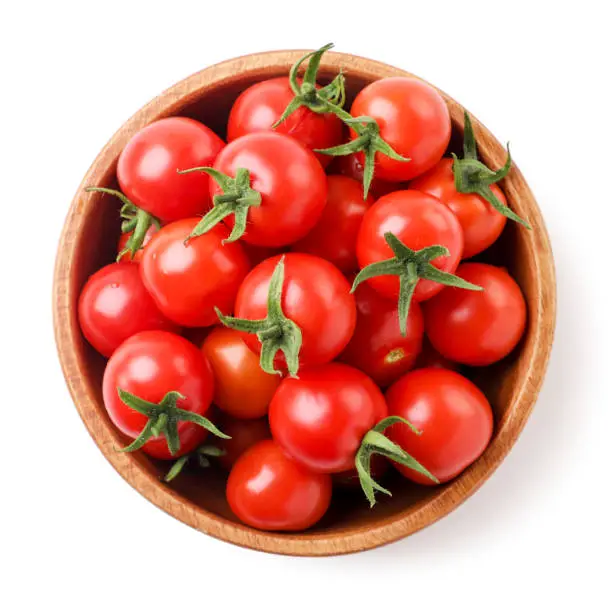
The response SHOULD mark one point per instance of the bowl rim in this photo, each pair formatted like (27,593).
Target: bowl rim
(392,528)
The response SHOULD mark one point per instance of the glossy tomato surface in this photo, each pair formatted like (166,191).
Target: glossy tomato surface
(187,280)
(453,415)
(291,181)
(321,418)
(377,347)
(269,491)
(147,167)
(137,257)
(114,305)
(149,365)
(413,118)
(316,296)
(243,433)
(242,388)
(419,221)
(481,224)
(261,105)
(477,328)
(334,236)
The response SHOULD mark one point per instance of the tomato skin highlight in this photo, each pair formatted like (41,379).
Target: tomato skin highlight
(334,236)
(137,257)
(419,221)
(149,365)
(188,280)
(477,328)
(261,105)
(316,296)
(349,165)
(114,305)
(453,415)
(242,389)
(377,347)
(413,118)
(291,181)
(481,223)
(269,491)
(321,418)
(243,433)
(147,167)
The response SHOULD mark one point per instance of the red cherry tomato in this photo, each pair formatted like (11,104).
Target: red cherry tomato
(419,221)
(147,167)
(316,297)
(291,182)
(321,418)
(334,237)
(453,415)
(242,389)
(349,165)
(269,491)
(187,280)
(261,105)
(413,118)
(477,328)
(243,433)
(149,365)
(429,357)
(137,257)
(481,223)
(114,305)
(377,347)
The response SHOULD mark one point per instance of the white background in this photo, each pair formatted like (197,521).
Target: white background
(537,73)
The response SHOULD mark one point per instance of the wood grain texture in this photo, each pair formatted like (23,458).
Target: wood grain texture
(89,240)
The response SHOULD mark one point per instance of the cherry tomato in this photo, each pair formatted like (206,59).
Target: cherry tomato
(349,165)
(292,184)
(377,347)
(334,237)
(481,223)
(429,357)
(453,415)
(320,418)
(477,328)
(147,167)
(242,389)
(137,257)
(187,280)
(269,491)
(261,105)
(419,221)
(114,305)
(149,365)
(413,118)
(316,297)
(243,433)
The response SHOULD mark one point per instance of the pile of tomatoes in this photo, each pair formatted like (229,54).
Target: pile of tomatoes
(294,305)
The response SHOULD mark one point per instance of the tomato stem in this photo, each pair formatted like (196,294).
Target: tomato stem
(410,266)
(201,454)
(276,332)
(163,420)
(375,442)
(472,176)
(321,101)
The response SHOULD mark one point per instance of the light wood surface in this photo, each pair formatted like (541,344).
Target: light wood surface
(89,239)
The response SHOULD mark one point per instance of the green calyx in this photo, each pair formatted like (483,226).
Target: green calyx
(135,220)
(411,266)
(376,442)
(472,176)
(328,99)
(201,455)
(368,141)
(237,198)
(276,332)
(163,420)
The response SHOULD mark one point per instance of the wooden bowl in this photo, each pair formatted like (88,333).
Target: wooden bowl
(89,240)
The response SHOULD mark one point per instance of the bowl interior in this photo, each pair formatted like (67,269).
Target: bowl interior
(201,492)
